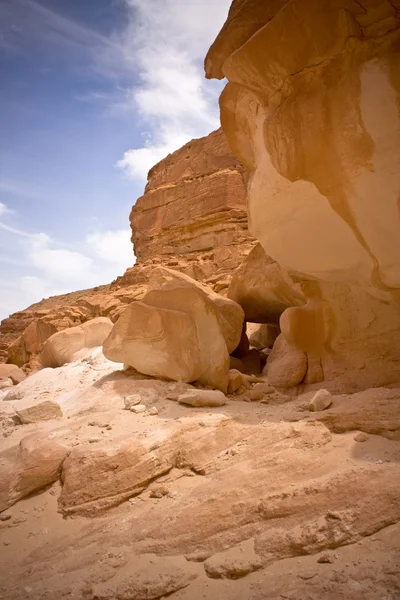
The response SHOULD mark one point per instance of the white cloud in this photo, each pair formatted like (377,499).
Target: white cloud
(137,162)
(112,246)
(4,210)
(55,268)
(59,264)
(172,99)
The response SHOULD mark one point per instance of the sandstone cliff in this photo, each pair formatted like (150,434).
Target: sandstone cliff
(312,110)
(193,214)
(195,201)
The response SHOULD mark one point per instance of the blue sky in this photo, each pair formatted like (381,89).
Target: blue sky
(93,93)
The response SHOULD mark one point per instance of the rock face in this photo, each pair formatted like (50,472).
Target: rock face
(311,110)
(194,202)
(263,288)
(230,313)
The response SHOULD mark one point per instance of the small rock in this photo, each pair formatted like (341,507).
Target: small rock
(201,398)
(153,411)
(320,401)
(199,556)
(361,437)
(234,563)
(5,383)
(159,492)
(5,516)
(93,440)
(326,558)
(14,395)
(138,408)
(44,411)
(6,543)
(132,400)
(256,395)
(17,376)
(235,381)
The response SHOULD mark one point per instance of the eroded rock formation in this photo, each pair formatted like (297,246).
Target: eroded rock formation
(200,494)
(312,111)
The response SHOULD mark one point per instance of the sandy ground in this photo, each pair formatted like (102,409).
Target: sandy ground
(251,500)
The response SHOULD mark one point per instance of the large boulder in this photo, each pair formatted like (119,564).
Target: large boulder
(175,333)
(230,313)
(68,345)
(286,366)
(311,110)
(29,466)
(262,335)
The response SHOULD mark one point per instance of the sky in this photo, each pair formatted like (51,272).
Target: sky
(93,93)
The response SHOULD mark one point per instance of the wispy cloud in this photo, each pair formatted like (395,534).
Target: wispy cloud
(20,188)
(4,210)
(156,60)
(55,267)
(171,97)
(20,16)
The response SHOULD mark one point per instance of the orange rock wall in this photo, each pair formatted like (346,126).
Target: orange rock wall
(194,201)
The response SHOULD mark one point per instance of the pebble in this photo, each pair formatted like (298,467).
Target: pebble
(132,400)
(326,558)
(93,440)
(153,411)
(5,516)
(361,437)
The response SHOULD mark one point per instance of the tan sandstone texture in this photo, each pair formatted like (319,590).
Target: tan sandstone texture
(312,111)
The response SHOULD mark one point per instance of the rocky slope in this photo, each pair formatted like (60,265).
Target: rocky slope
(245,500)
